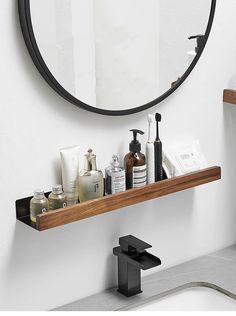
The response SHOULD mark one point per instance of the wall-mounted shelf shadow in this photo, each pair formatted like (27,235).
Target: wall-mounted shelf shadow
(113,202)
(229,96)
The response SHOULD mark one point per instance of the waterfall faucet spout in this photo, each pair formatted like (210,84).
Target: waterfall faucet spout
(132,258)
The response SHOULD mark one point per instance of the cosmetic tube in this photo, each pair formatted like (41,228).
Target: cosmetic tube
(70,172)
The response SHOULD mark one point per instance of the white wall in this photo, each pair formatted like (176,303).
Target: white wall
(44,270)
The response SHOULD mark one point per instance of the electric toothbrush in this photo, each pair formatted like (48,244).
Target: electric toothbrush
(158,152)
(150,151)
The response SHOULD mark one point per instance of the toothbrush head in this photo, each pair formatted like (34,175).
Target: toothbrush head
(151,118)
(158,117)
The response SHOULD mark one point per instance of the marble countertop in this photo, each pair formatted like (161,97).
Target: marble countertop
(216,270)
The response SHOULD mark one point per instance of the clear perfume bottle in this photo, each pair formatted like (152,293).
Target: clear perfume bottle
(115,177)
(38,204)
(91,183)
(57,198)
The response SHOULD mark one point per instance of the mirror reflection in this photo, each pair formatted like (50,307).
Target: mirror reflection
(119,54)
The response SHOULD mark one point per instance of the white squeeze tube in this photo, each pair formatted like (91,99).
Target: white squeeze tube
(70,172)
(150,161)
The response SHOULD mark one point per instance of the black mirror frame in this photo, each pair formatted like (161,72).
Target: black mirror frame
(28,34)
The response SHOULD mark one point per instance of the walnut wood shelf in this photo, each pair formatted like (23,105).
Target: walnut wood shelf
(112,202)
(230,96)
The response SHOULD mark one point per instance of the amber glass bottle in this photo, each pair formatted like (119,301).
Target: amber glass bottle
(135,164)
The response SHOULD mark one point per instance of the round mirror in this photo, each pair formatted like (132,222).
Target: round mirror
(116,57)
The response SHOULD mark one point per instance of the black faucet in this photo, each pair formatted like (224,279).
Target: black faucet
(132,257)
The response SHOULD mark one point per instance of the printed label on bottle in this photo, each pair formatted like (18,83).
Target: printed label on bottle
(90,187)
(118,182)
(37,209)
(55,204)
(139,176)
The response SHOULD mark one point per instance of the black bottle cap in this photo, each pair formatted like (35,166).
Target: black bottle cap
(135,146)
(200,40)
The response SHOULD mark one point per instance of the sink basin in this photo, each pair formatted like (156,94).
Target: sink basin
(192,299)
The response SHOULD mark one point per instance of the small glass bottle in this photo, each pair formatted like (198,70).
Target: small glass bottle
(91,183)
(38,204)
(115,177)
(57,199)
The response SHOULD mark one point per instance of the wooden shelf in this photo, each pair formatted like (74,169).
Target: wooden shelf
(230,96)
(112,202)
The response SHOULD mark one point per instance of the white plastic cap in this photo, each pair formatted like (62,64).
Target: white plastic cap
(115,161)
(39,194)
(57,189)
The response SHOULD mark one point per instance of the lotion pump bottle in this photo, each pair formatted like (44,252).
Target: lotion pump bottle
(135,164)
(91,183)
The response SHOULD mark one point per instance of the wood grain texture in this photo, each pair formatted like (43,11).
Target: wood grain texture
(230,96)
(112,202)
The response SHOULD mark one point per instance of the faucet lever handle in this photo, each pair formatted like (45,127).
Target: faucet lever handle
(131,244)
